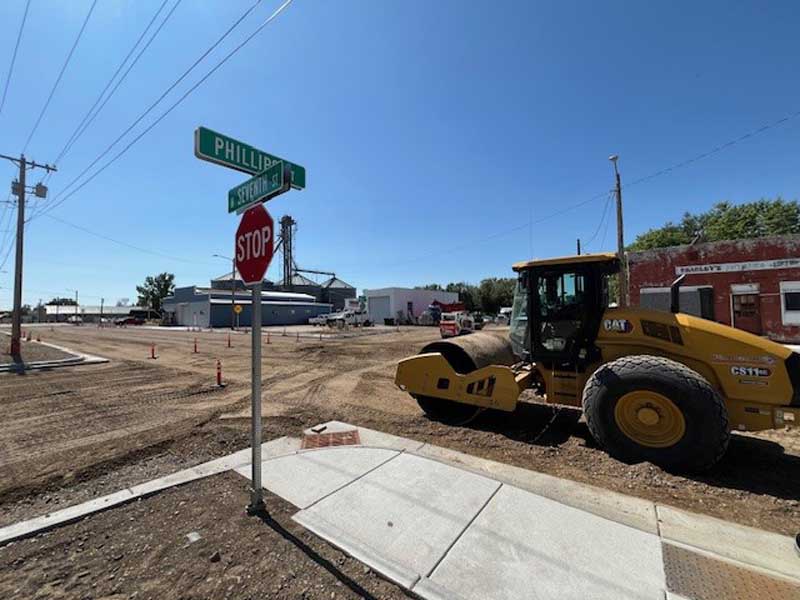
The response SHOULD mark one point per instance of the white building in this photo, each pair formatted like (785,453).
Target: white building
(387,303)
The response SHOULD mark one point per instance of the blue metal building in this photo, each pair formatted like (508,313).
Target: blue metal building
(194,306)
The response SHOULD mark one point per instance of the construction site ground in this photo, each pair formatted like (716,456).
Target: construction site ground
(30,352)
(75,433)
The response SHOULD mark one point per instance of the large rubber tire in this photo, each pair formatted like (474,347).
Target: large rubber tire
(447,411)
(706,432)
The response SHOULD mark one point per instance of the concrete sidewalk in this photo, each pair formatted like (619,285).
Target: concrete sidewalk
(446,525)
(443,524)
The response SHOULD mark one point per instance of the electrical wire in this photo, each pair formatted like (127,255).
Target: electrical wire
(89,117)
(14,55)
(60,75)
(121,243)
(588,242)
(160,98)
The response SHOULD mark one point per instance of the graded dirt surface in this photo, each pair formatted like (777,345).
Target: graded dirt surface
(93,430)
(190,542)
(30,352)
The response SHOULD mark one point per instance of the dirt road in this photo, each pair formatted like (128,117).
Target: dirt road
(114,425)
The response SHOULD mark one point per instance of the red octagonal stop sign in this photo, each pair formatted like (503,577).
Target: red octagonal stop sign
(254,244)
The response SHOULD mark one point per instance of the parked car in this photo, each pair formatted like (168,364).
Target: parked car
(75,319)
(125,321)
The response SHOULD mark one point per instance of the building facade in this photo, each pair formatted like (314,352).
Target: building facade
(208,307)
(403,303)
(752,284)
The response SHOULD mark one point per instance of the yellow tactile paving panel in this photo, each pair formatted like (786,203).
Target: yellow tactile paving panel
(700,577)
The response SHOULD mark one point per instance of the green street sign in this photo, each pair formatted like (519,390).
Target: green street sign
(271,182)
(228,152)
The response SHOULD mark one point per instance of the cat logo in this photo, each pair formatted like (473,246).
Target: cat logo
(618,325)
(750,371)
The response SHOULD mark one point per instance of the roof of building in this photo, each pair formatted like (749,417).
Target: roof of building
(229,275)
(226,294)
(298,279)
(69,309)
(566,260)
(335,282)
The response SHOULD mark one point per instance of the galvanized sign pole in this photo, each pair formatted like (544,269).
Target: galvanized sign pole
(254,246)
(256,493)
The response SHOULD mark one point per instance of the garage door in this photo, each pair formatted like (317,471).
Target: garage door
(378,308)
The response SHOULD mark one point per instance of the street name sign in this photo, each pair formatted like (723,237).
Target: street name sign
(229,152)
(254,244)
(275,180)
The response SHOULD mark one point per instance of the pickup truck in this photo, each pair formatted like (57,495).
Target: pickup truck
(319,320)
(349,317)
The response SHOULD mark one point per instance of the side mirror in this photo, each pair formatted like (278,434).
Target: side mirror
(675,294)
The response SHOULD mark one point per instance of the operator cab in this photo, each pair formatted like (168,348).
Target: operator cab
(567,298)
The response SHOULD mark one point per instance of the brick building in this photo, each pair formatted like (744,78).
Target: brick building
(753,284)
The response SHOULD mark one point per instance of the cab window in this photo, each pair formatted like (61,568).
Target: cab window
(561,300)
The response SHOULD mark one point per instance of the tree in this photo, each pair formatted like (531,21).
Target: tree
(495,293)
(726,221)
(155,289)
(431,286)
(62,302)
(124,302)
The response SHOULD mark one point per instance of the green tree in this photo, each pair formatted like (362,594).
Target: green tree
(431,286)
(155,289)
(726,221)
(496,293)
(62,302)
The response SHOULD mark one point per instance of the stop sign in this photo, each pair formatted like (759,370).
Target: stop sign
(254,244)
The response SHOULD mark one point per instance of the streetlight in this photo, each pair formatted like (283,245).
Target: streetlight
(233,288)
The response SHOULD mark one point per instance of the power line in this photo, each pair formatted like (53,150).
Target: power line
(60,75)
(14,55)
(89,117)
(121,243)
(638,181)
(160,98)
(600,223)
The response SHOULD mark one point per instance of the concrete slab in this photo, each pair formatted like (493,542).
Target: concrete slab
(628,510)
(525,546)
(755,547)
(409,511)
(307,477)
(369,437)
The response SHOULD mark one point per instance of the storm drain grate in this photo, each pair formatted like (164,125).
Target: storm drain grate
(338,438)
(694,575)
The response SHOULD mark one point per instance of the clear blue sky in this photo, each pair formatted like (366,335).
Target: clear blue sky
(432,132)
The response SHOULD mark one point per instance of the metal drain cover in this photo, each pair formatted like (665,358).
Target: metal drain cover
(697,576)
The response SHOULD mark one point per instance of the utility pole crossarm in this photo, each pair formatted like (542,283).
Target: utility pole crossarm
(16,321)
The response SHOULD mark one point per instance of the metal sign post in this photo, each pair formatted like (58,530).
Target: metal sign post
(256,492)
(253,249)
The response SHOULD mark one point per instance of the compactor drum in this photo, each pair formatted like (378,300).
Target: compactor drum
(665,387)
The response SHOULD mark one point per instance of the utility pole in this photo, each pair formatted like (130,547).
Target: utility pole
(623,271)
(18,188)
(102,300)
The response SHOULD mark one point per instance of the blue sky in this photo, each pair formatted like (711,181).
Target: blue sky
(438,137)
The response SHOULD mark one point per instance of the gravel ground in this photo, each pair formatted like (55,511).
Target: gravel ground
(190,542)
(150,427)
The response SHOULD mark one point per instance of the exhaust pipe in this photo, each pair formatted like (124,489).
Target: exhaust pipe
(675,294)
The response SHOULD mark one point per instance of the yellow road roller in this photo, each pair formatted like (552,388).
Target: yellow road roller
(658,386)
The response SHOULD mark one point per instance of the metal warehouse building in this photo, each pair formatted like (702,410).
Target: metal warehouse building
(389,303)
(212,306)
(752,284)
